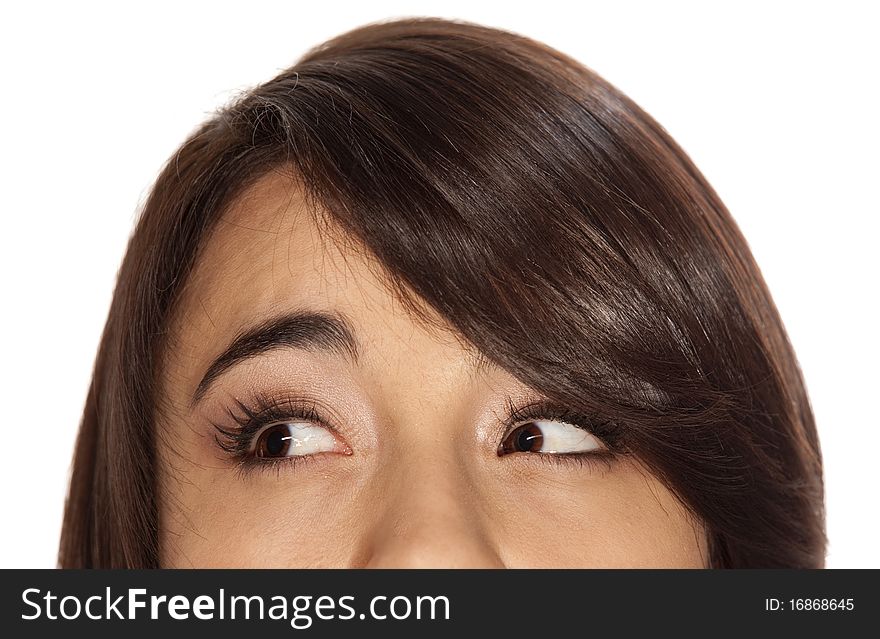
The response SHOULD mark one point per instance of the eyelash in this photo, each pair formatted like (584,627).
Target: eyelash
(248,420)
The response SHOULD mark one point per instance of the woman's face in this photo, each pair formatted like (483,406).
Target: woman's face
(399,464)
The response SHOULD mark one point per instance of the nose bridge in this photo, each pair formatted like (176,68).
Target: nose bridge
(429,505)
(430,518)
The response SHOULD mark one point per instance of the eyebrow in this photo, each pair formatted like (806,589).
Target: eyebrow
(308,330)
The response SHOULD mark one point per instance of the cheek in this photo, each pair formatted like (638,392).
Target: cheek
(321,517)
(218,519)
(620,518)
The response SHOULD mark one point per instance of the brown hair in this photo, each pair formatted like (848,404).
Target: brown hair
(541,212)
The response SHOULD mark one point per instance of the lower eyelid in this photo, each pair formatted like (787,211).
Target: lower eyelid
(246,466)
(600,460)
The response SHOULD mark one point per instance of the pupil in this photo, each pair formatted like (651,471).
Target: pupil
(276,441)
(529,439)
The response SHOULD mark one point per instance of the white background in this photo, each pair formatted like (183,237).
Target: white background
(776,103)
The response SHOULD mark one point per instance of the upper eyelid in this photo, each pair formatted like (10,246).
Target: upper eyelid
(544,409)
(270,411)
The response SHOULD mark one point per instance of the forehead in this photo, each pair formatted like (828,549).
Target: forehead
(270,253)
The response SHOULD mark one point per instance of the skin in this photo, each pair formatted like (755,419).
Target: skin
(423,485)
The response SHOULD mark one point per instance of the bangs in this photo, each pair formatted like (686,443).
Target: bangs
(529,203)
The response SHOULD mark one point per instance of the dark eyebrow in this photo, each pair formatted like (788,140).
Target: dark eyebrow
(308,330)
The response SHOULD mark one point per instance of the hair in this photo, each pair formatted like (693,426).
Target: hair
(551,221)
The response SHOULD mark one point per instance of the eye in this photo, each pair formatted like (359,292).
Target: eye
(293,439)
(543,436)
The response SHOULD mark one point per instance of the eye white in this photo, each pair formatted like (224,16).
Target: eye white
(560,437)
(303,438)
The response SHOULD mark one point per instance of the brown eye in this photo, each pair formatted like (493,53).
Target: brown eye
(274,441)
(523,439)
(547,436)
